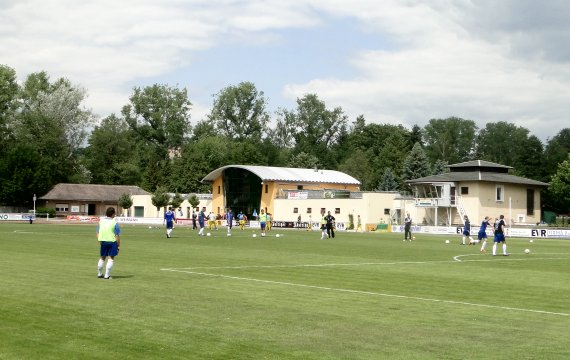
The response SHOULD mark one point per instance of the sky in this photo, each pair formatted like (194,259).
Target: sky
(392,61)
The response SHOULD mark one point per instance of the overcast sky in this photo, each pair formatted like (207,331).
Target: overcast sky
(399,62)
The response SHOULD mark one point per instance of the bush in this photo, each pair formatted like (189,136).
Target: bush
(43,212)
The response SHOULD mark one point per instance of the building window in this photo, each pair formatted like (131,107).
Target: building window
(337,210)
(464,190)
(219,189)
(500,193)
(530,201)
(299,187)
(386,211)
(295,210)
(266,188)
(62,207)
(309,210)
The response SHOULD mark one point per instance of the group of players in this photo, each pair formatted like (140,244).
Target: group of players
(499,234)
(202,218)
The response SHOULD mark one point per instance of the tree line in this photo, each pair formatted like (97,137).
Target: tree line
(48,136)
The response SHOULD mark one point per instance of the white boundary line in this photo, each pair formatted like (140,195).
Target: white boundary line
(367,292)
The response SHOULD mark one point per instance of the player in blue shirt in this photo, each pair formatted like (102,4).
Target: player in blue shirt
(467,231)
(500,236)
(482,234)
(230,221)
(201,221)
(169,219)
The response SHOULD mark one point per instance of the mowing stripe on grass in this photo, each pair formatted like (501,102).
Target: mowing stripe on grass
(365,263)
(359,292)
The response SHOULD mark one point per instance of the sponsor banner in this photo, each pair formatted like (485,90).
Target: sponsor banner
(82,218)
(511,232)
(16,217)
(139,220)
(303,225)
(297,195)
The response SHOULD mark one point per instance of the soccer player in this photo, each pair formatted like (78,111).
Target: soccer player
(323,226)
(108,235)
(268,222)
(500,236)
(262,221)
(169,219)
(408,227)
(467,230)
(212,221)
(330,225)
(230,221)
(482,234)
(358,224)
(201,221)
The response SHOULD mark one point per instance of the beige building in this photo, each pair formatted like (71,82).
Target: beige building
(476,188)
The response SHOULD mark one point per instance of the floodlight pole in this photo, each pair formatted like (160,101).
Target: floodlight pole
(34,198)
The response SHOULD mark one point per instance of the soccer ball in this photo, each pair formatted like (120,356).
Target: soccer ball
(276,235)
(531,240)
(447,241)
(229,235)
(254,235)
(150,227)
(527,251)
(208,234)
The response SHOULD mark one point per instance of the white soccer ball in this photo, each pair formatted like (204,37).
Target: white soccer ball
(208,234)
(229,235)
(254,235)
(276,235)
(527,251)
(150,227)
(447,241)
(531,240)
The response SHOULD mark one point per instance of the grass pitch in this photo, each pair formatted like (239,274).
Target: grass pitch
(358,296)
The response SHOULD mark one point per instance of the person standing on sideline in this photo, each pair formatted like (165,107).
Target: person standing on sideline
(230,221)
(408,227)
(262,221)
(201,221)
(169,219)
(323,226)
(194,220)
(482,234)
(268,226)
(330,225)
(109,237)
(500,236)
(358,224)
(467,231)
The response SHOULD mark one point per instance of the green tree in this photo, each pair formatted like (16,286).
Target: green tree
(9,90)
(440,167)
(112,156)
(176,201)
(315,129)
(159,116)
(388,181)
(303,161)
(556,151)
(159,199)
(125,201)
(560,186)
(416,164)
(193,201)
(358,165)
(239,112)
(451,139)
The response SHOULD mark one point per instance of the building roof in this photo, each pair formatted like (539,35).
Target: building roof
(91,192)
(477,176)
(269,173)
(479,164)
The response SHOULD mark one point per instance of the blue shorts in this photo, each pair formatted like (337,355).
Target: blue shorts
(109,248)
(263,226)
(169,224)
(499,238)
(466,232)
(481,235)
(201,223)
